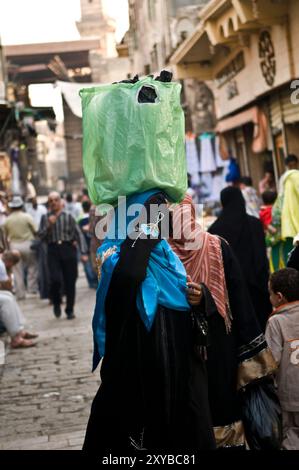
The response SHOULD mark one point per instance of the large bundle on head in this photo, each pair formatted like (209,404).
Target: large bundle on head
(133,140)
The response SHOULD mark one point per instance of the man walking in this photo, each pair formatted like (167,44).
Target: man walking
(62,234)
(20,231)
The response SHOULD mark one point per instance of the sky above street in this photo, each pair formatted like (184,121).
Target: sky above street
(34,21)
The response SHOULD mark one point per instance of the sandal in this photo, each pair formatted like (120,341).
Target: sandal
(22,343)
(28,335)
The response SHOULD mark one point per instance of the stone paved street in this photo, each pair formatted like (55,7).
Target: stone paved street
(46,391)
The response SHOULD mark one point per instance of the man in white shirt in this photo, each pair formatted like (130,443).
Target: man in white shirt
(72,207)
(35,210)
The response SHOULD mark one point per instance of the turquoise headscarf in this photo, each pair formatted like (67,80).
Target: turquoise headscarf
(165,282)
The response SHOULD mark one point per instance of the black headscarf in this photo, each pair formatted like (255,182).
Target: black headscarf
(236,227)
(232,224)
(246,237)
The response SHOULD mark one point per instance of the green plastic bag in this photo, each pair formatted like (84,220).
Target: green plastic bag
(131,147)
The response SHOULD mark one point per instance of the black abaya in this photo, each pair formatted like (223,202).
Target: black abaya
(245,236)
(235,358)
(154,392)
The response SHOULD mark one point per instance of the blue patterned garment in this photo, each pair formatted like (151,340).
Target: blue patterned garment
(165,282)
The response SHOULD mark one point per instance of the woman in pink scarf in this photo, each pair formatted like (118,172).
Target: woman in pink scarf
(237,353)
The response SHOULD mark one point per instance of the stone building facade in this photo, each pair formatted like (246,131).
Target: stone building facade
(105,62)
(249,50)
(157,27)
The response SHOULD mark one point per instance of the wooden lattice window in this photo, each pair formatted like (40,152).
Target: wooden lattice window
(267,56)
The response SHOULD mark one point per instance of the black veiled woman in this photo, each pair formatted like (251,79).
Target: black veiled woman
(153,394)
(245,236)
(237,355)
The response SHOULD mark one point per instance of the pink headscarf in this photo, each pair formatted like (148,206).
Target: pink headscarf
(203,262)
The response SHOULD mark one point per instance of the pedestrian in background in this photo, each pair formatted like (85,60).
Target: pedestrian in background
(20,231)
(291,163)
(35,210)
(246,237)
(95,242)
(269,198)
(11,316)
(62,234)
(252,201)
(282,335)
(3,208)
(72,207)
(285,219)
(268,181)
(83,223)
(40,247)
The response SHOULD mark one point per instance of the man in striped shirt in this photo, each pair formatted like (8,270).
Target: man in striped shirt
(62,234)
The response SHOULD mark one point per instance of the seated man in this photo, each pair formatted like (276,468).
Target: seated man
(10,314)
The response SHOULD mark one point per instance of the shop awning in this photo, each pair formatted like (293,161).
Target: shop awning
(70,92)
(227,124)
(258,119)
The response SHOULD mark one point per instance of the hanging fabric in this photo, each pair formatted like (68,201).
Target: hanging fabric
(207,155)
(220,162)
(219,182)
(192,159)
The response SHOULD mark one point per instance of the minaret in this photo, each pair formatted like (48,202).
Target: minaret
(95,23)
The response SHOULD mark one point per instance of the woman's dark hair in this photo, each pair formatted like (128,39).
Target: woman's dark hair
(286,281)
(246,180)
(291,158)
(86,205)
(268,168)
(269,197)
(69,197)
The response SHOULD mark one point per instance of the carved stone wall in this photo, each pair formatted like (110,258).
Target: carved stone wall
(199,106)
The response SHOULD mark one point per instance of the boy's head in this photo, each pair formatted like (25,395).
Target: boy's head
(284,287)
(269,197)
(245,182)
(291,162)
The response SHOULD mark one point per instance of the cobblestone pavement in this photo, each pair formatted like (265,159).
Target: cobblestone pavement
(46,391)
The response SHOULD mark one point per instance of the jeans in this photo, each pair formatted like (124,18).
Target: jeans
(90,275)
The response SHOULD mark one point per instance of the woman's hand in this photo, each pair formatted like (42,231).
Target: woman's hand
(194,292)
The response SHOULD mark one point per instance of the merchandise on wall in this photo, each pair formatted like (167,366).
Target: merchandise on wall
(207,164)
(192,159)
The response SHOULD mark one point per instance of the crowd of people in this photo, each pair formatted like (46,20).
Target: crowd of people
(251,315)
(243,278)
(41,246)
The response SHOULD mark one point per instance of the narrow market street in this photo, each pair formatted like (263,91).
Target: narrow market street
(46,391)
